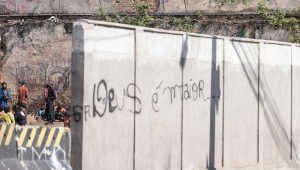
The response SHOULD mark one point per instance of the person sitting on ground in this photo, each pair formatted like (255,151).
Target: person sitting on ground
(67,120)
(59,112)
(3,115)
(20,117)
(23,108)
(9,113)
(40,115)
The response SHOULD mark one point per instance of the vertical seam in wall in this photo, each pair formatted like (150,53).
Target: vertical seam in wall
(134,99)
(82,101)
(223,103)
(182,67)
(258,96)
(291,102)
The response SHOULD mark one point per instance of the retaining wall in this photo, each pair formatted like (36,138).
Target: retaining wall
(162,7)
(34,148)
(145,98)
(39,52)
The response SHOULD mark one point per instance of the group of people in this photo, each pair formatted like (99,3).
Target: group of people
(47,112)
(18,113)
(60,115)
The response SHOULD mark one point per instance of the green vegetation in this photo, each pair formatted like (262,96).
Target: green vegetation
(225,1)
(177,22)
(296,9)
(279,20)
(199,15)
(143,19)
(187,25)
(113,16)
(184,25)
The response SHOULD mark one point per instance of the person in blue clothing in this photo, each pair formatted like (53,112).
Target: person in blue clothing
(4,95)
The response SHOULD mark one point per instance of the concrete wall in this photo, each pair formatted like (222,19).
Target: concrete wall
(275,113)
(33,147)
(111,91)
(154,99)
(35,7)
(158,76)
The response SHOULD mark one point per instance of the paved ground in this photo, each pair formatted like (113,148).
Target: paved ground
(34,122)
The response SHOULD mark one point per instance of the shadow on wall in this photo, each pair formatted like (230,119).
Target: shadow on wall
(271,113)
(182,62)
(278,129)
(214,104)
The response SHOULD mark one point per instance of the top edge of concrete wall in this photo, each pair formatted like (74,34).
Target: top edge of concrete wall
(37,126)
(147,29)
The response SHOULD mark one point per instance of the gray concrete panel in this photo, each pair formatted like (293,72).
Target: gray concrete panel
(295,104)
(202,104)
(77,98)
(108,132)
(275,111)
(159,81)
(241,91)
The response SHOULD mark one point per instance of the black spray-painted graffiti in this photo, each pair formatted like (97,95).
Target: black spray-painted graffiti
(186,91)
(110,96)
(104,99)
(77,110)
